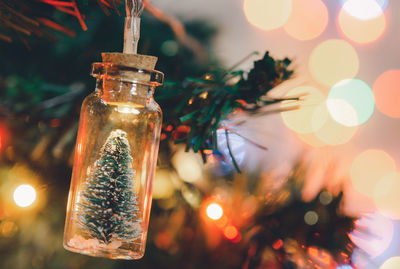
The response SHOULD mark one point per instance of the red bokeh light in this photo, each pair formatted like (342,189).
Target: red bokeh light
(231,232)
(277,244)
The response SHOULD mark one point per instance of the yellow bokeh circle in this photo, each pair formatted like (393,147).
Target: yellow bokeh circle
(386,195)
(329,131)
(392,263)
(333,60)
(300,120)
(311,140)
(368,168)
(267,14)
(361,31)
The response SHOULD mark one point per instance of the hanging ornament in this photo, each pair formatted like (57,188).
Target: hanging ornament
(115,155)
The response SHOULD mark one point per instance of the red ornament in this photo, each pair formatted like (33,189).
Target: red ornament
(181,132)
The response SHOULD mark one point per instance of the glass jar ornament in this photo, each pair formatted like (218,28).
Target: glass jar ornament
(115,156)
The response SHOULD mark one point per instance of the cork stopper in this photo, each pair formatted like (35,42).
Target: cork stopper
(131,60)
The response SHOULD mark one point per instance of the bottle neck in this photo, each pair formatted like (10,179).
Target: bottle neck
(124,84)
(114,90)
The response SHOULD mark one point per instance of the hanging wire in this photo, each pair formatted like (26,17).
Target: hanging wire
(134,9)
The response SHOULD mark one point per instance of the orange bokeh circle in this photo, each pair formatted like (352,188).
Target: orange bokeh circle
(387,93)
(308,20)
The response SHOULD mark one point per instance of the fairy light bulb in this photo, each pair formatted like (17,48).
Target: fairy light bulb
(214,211)
(24,195)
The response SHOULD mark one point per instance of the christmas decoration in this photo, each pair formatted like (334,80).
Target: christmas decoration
(111,196)
(39,107)
(108,210)
(111,190)
(205,102)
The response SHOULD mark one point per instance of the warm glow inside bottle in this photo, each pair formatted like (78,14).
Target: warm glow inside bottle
(115,156)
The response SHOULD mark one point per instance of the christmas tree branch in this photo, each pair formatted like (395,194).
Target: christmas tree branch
(228,145)
(15,19)
(205,102)
(246,138)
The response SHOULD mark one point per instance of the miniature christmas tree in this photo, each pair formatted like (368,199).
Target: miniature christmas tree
(108,207)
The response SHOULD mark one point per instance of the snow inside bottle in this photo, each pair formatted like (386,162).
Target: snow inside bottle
(115,156)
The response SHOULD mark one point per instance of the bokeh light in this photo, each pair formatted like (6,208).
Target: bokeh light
(24,195)
(308,19)
(8,228)
(277,244)
(382,3)
(170,48)
(163,187)
(320,257)
(364,9)
(267,14)
(392,263)
(299,120)
(191,195)
(332,61)
(342,112)
(4,134)
(361,31)
(368,168)
(311,217)
(231,232)
(311,140)
(188,165)
(330,131)
(325,197)
(351,102)
(373,234)
(312,122)
(387,93)
(386,195)
(325,130)
(214,211)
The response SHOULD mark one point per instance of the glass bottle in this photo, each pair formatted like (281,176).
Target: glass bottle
(116,151)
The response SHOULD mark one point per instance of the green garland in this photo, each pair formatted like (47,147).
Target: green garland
(201,104)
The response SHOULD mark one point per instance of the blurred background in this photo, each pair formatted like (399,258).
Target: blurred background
(330,163)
